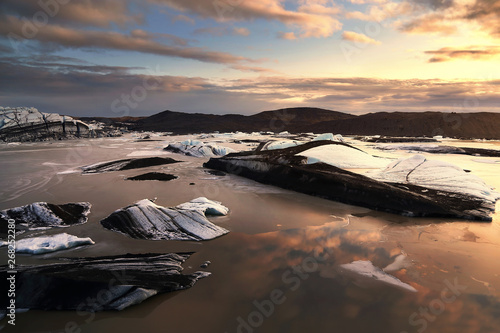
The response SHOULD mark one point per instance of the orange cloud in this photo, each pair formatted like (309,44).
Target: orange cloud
(313,18)
(469,53)
(359,38)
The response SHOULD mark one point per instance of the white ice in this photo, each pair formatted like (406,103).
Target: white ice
(438,175)
(199,149)
(330,137)
(47,244)
(205,205)
(343,157)
(367,273)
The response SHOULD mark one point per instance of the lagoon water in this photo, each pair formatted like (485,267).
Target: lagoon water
(279,268)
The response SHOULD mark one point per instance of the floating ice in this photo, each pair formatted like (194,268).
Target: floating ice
(273,145)
(208,207)
(44,215)
(343,156)
(438,175)
(198,149)
(46,244)
(146,220)
(330,137)
(366,273)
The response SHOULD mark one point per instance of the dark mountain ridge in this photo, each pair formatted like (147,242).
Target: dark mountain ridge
(481,125)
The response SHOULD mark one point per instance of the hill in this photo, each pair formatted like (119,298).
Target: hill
(459,125)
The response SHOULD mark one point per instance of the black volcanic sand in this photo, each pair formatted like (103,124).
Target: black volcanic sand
(154,176)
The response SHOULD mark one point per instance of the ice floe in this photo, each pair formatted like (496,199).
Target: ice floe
(45,215)
(198,149)
(146,220)
(366,273)
(47,244)
(438,175)
(330,137)
(208,207)
(343,156)
(126,279)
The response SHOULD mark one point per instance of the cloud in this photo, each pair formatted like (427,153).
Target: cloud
(137,41)
(468,53)
(222,31)
(287,35)
(313,18)
(241,31)
(70,86)
(444,16)
(97,13)
(359,38)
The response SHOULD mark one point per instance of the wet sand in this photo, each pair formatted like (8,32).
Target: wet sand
(281,243)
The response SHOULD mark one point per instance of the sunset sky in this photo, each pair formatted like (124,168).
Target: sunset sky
(129,57)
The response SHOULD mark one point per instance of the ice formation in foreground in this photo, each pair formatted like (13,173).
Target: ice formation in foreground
(188,221)
(319,168)
(126,279)
(365,274)
(46,244)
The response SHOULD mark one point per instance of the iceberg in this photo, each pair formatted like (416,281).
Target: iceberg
(116,281)
(365,274)
(46,215)
(343,156)
(198,149)
(47,244)
(438,175)
(330,137)
(319,168)
(29,124)
(206,206)
(188,221)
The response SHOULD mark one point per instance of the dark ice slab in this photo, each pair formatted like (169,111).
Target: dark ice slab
(44,215)
(98,284)
(154,176)
(127,164)
(285,169)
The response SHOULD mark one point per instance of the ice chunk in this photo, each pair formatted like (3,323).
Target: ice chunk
(438,175)
(198,149)
(146,220)
(208,207)
(343,156)
(366,273)
(46,244)
(330,137)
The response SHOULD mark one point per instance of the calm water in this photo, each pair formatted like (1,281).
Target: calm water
(278,270)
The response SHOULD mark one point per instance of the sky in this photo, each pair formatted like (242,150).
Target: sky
(115,58)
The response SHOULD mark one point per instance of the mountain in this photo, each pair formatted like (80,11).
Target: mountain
(291,119)
(460,125)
